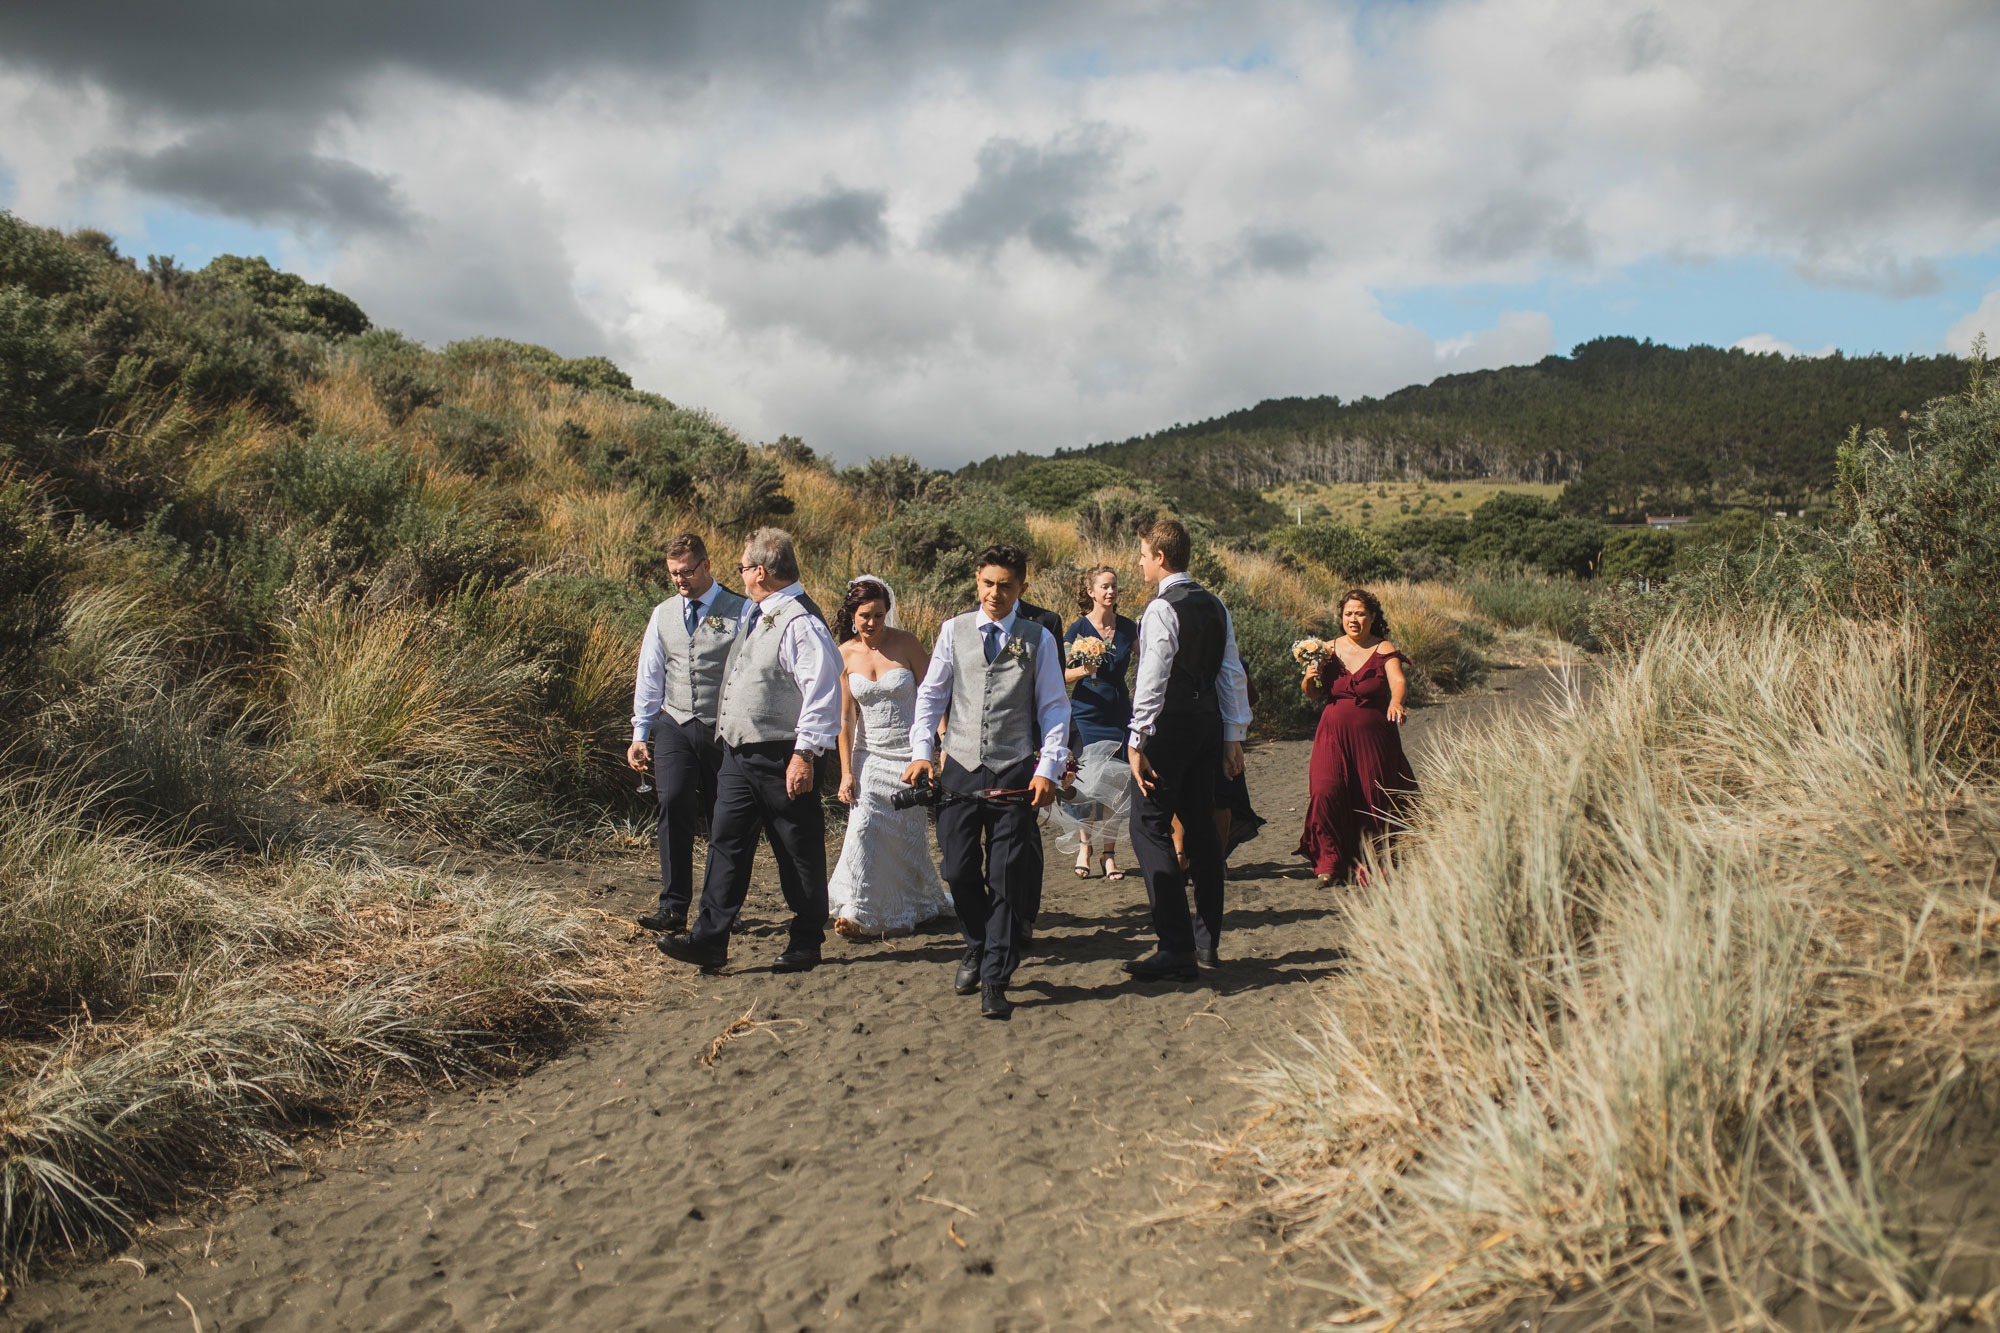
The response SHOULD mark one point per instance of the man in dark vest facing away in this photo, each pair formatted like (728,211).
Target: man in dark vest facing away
(1190,712)
(679,687)
(779,710)
(1000,680)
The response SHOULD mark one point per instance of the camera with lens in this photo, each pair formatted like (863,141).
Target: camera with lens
(925,792)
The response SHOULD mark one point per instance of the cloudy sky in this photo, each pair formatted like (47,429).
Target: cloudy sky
(952,229)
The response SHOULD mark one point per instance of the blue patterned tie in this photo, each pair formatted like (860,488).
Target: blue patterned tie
(992,642)
(692,616)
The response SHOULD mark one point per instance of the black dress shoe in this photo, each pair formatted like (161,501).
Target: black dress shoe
(796,959)
(686,948)
(664,922)
(1208,957)
(1163,966)
(966,981)
(993,1002)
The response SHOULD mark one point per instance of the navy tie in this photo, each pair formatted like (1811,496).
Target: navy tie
(692,609)
(992,642)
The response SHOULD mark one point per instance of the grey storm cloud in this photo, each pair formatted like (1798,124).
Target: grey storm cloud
(1031,192)
(834,219)
(1512,224)
(227,56)
(1280,250)
(262,178)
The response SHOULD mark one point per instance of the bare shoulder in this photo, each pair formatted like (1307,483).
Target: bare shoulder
(1386,649)
(902,645)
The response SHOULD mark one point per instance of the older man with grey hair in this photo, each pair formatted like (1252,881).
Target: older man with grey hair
(779,711)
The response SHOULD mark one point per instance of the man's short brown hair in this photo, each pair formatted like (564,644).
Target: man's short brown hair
(688,543)
(1166,538)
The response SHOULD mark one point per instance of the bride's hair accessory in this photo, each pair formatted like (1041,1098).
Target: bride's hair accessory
(860,592)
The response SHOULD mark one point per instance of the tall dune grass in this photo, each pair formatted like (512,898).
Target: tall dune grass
(1601,1009)
(164,1014)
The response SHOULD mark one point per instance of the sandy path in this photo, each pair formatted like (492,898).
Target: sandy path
(880,1158)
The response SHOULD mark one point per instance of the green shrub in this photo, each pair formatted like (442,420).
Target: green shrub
(1637,554)
(1062,485)
(1264,641)
(1513,529)
(1557,607)
(1924,533)
(896,481)
(476,442)
(1440,534)
(1354,554)
(358,494)
(937,542)
(1116,514)
(287,300)
(32,561)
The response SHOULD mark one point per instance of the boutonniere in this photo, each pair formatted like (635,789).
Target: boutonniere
(716,623)
(770,620)
(1016,648)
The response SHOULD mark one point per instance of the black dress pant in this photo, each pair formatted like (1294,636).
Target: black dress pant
(749,799)
(685,760)
(1186,754)
(992,864)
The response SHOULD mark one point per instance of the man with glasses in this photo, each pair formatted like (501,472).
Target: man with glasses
(681,665)
(778,712)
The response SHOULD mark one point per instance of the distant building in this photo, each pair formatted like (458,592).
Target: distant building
(1666,520)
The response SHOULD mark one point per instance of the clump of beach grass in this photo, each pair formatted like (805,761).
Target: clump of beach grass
(1602,1017)
(167,1014)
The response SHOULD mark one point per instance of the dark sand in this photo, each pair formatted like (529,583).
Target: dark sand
(881,1157)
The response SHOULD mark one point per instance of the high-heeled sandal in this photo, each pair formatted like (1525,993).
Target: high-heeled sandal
(1111,870)
(1082,866)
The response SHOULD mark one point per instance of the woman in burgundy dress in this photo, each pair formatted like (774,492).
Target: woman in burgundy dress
(1359,780)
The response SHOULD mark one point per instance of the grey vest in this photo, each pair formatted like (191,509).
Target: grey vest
(695,666)
(760,700)
(992,722)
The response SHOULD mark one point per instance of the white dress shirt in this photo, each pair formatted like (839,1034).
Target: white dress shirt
(808,655)
(1051,695)
(649,692)
(1159,640)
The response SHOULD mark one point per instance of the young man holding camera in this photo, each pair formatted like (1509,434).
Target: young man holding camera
(998,679)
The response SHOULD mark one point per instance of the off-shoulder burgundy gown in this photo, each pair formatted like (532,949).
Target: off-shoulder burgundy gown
(1359,778)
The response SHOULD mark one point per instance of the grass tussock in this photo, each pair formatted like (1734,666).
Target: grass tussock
(166,1014)
(1602,1018)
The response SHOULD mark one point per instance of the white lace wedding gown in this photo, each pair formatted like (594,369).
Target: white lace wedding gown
(885,881)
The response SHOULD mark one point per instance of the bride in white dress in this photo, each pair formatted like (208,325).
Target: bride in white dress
(885,882)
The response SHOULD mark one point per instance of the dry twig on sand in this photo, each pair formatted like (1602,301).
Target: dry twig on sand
(746,1024)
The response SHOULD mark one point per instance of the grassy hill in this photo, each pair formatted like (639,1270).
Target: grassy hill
(1624,425)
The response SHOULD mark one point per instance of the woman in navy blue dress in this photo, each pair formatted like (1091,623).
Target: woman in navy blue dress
(1100,712)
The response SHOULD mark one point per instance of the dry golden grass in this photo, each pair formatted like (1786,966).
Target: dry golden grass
(826,516)
(343,402)
(1304,593)
(602,531)
(222,1006)
(1600,1022)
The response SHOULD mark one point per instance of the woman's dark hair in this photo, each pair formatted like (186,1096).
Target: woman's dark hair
(1084,601)
(1378,624)
(859,594)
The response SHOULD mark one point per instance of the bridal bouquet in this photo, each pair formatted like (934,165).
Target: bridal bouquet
(1308,651)
(1088,651)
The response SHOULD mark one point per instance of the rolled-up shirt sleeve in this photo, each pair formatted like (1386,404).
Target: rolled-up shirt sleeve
(1233,685)
(1159,641)
(807,652)
(933,698)
(649,690)
(1051,707)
